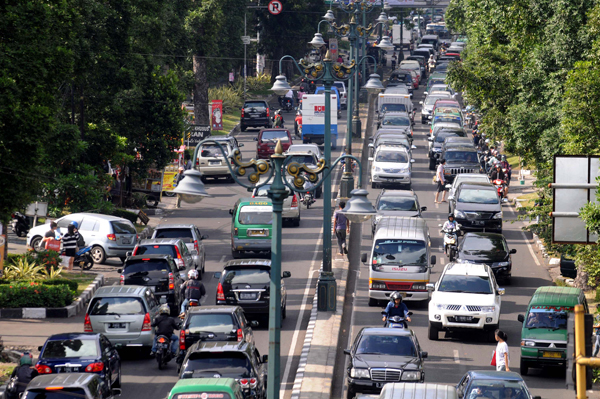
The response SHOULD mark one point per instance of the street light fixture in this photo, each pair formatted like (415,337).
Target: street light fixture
(329,16)
(281,85)
(385,44)
(382,17)
(191,189)
(374,85)
(317,41)
(359,209)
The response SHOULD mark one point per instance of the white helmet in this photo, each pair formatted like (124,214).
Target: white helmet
(164,309)
(193,274)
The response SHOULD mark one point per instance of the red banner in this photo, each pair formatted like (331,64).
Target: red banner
(217,115)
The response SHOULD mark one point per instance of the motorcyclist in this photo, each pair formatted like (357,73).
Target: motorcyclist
(498,174)
(450,224)
(278,120)
(24,373)
(505,165)
(165,326)
(431,62)
(192,289)
(298,123)
(483,144)
(395,307)
(304,85)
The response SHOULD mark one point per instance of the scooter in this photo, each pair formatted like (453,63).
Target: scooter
(83,258)
(395,321)
(499,184)
(163,351)
(308,199)
(286,103)
(20,224)
(451,242)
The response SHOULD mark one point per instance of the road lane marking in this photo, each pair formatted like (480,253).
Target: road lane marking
(531,251)
(222,259)
(456,357)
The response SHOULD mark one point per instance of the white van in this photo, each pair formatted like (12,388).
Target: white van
(404,390)
(399,260)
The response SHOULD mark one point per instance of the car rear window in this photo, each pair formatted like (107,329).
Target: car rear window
(154,249)
(307,159)
(147,266)
(58,349)
(64,393)
(256,215)
(225,363)
(218,323)
(397,204)
(256,104)
(247,276)
(273,135)
(202,395)
(213,150)
(116,306)
(123,227)
(393,108)
(174,233)
(395,121)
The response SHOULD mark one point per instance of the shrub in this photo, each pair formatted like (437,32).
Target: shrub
(49,259)
(122,213)
(13,259)
(34,295)
(24,269)
(73,285)
(231,96)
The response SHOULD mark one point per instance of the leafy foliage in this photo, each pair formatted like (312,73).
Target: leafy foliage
(32,295)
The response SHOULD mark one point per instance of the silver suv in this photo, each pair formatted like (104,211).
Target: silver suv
(189,234)
(210,158)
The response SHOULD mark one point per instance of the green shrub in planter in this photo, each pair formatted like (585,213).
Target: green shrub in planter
(73,285)
(49,259)
(122,213)
(34,295)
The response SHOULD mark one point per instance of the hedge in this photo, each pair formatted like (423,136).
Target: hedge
(34,295)
(73,285)
(122,213)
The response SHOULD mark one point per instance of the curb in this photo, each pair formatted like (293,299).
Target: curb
(64,312)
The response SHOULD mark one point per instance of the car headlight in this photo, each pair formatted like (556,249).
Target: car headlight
(378,286)
(459,214)
(527,343)
(359,373)
(488,309)
(440,306)
(498,215)
(500,264)
(419,286)
(403,170)
(377,169)
(411,375)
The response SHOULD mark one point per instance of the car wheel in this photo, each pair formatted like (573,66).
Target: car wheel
(524,367)
(243,128)
(117,383)
(98,254)
(236,254)
(373,302)
(373,185)
(433,333)
(35,244)
(351,394)
(296,222)
(431,164)
(423,121)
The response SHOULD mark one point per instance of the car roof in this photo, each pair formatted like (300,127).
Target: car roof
(471,269)
(460,148)
(66,380)
(174,226)
(556,296)
(153,256)
(96,215)
(190,385)
(477,185)
(495,375)
(397,193)
(74,335)
(163,241)
(248,262)
(256,201)
(219,346)
(211,309)
(386,146)
(396,113)
(482,234)
(403,332)
(120,290)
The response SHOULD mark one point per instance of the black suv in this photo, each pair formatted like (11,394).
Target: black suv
(239,360)
(460,160)
(490,249)
(159,272)
(477,206)
(382,355)
(246,282)
(255,113)
(214,323)
(396,203)
(435,146)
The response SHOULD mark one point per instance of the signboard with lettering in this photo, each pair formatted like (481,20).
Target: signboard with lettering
(197,134)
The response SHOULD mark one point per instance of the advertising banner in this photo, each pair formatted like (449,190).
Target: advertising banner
(197,134)
(168,183)
(217,115)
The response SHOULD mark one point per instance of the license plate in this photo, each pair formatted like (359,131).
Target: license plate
(390,179)
(214,162)
(67,369)
(116,325)
(253,116)
(126,241)
(257,233)
(463,318)
(478,223)
(247,295)
(163,345)
(552,354)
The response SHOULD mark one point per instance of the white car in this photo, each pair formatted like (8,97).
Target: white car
(309,147)
(341,86)
(466,297)
(391,164)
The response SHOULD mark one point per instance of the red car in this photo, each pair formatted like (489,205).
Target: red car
(267,140)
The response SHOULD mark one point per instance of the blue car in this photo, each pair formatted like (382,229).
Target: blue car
(81,353)
(493,384)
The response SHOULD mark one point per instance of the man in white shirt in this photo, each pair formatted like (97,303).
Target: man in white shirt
(441,182)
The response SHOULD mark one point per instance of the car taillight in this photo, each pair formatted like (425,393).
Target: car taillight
(43,369)
(235,231)
(147,325)
(197,162)
(182,340)
(253,383)
(95,367)
(240,336)
(196,246)
(171,281)
(294,201)
(268,112)
(244,382)
(122,279)
(177,252)
(87,324)
(242,113)
(111,237)
(220,293)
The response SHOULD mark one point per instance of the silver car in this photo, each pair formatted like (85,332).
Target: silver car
(189,234)
(466,177)
(291,204)
(123,313)
(168,246)
(210,158)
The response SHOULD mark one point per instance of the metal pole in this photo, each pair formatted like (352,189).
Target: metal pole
(347,182)
(364,47)
(580,351)
(245,50)
(350,94)
(401,35)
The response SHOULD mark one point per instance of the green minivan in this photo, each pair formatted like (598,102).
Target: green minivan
(544,333)
(251,226)
(205,388)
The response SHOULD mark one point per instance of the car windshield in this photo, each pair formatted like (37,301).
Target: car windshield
(463,156)
(393,107)
(153,249)
(256,104)
(256,215)
(395,121)
(391,156)
(477,196)
(389,345)
(226,364)
(339,85)
(466,284)
(400,252)
(59,349)
(401,78)
(263,191)
(497,389)
(397,204)
(217,323)
(64,393)
(430,100)
(439,138)
(123,227)
(247,276)
(116,306)
(213,151)
(274,135)
(474,244)
(152,265)
(307,159)
(174,233)
(548,317)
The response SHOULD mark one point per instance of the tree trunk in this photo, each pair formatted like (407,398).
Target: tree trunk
(581,281)
(201,114)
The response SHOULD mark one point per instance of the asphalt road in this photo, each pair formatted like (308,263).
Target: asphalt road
(453,355)
(141,377)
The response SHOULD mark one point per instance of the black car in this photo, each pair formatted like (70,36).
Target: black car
(398,78)
(228,360)
(396,203)
(246,283)
(159,272)
(382,355)
(487,248)
(255,113)
(435,148)
(81,353)
(477,206)
(457,142)
(71,385)
(460,160)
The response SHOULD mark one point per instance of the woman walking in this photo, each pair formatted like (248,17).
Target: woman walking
(502,359)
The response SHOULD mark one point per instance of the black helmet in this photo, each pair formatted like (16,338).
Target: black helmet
(451,216)
(395,295)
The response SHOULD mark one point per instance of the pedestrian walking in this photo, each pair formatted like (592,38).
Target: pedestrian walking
(597,331)
(441,182)
(502,358)
(179,178)
(21,377)
(342,227)
(394,60)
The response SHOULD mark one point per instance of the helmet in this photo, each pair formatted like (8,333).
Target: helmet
(74,224)
(27,358)
(497,165)
(193,274)
(504,158)
(395,295)
(450,216)
(164,309)
(487,141)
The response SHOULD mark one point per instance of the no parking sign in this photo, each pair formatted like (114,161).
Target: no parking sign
(275,7)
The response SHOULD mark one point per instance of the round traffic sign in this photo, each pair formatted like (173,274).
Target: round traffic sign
(275,7)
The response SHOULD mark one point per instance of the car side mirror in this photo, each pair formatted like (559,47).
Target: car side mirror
(413,147)
(412,161)
(521,318)
(217,275)
(424,355)
(448,185)
(501,291)
(255,139)
(347,352)
(205,236)
(425,93)
(370,159)
(512,251)
(286,274)
(240,145)
(116,391)
(370,145)
(40,348)
(231,211)
(128,253)
(265,358)
(433,260)
(119,270)
(430,286)
(254,323)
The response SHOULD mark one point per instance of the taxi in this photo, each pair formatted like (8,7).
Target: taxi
(440,117)
(251,226)
(207,388)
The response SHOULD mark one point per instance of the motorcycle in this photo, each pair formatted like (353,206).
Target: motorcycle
(308,199)
(298,124)
(451,242)
(395,321)
(83,258)
(286,103)
(499,184)
(163,351)
(19,224)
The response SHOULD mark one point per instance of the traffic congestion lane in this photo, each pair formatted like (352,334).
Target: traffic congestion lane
(456,353)
(301,251)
